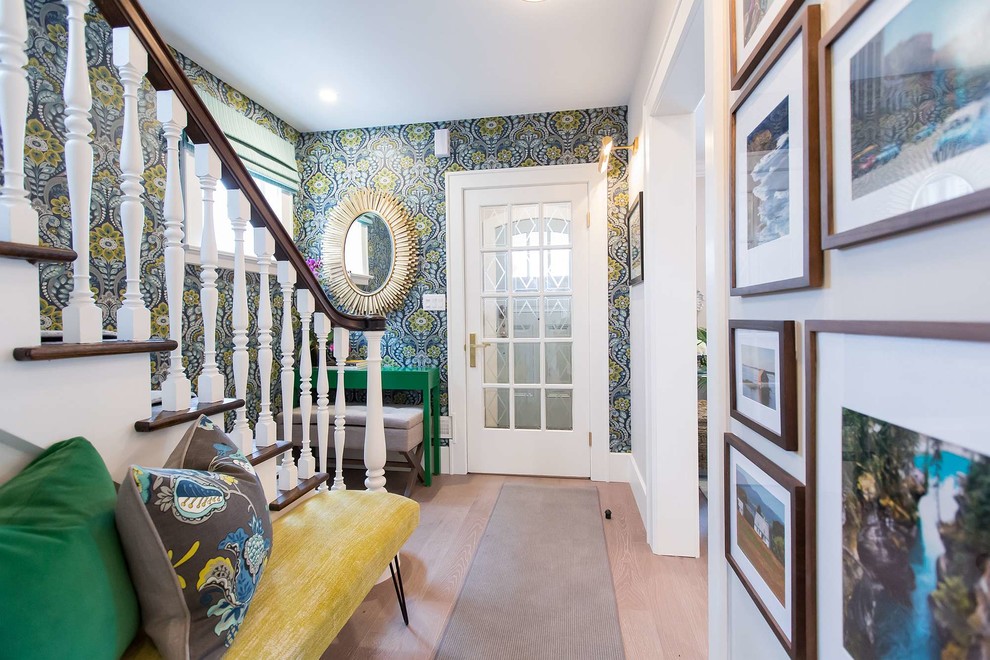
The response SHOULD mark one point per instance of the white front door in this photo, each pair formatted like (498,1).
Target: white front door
(526,330)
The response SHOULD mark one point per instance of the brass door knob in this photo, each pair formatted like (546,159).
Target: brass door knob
(472,346)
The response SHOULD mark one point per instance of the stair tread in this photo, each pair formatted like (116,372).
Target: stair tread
(262,454)
(287,497)
(35,253)
(161,419)
(56,350)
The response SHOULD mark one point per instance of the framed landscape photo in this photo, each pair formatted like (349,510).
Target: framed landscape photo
(774,187)
(634,223)
(906,105)
(764,539)
(754,27)
(763,379)
(898,475)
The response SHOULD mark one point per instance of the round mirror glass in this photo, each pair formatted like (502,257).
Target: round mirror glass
(368,256)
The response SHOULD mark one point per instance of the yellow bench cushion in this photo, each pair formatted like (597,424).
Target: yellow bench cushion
(327,555)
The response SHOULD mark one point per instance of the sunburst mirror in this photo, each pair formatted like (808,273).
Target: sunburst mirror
(369,250)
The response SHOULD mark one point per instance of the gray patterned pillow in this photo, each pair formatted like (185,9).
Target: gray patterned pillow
(197,536)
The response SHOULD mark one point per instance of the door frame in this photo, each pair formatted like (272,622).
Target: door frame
(457,185)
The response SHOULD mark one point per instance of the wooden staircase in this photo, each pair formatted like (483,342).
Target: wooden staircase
(87,384)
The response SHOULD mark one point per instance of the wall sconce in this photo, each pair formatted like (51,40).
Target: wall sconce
(608,146)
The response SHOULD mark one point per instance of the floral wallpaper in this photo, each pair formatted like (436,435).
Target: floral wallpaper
(400,160)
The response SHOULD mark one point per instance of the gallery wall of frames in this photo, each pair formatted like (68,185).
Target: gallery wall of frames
(857,466)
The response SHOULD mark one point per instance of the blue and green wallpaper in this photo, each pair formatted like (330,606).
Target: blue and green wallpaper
(400,160)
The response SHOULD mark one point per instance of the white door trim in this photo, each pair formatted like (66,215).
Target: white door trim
(457,184)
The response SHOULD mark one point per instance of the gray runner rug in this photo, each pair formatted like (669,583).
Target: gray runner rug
(540,586)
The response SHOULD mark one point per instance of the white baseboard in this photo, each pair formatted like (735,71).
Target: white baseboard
(638,485)
(445,460)
(619,467)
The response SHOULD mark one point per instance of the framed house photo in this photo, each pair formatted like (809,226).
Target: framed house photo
(906,105)
(754,26)
(634,225)
(898,475)
(764,539)
(775,228)
(763,379)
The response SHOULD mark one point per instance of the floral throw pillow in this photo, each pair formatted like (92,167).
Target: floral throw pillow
(197,537)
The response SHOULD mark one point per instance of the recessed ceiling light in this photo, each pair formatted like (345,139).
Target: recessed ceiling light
(532,0)
(328,95)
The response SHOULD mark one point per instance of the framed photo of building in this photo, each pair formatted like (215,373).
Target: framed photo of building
(763,379)
(906,106)
(754,26)
(775,242)
(898,475)
(634,224)
(764,539)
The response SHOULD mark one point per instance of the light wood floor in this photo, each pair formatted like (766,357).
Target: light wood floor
(662,601)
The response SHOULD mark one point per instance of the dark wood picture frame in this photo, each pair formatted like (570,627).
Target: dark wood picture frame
(970,332)
(787,381)
(807,28)
(740,72)
(800,546)
(636,209)
(952,209)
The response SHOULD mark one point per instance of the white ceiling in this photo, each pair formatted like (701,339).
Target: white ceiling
(404,61)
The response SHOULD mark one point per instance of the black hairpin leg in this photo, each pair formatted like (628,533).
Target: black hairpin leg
(400,592)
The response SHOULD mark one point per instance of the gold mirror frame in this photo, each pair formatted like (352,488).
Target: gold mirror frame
(405,254)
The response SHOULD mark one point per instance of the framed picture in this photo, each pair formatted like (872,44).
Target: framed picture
(906,105)
(898,475)
(775,227)
(764,539)
(634,223)
(763,379)
(754,26)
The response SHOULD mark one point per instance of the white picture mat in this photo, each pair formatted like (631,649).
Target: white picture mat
(780,613)
(783,258)
(756,411)
(744,49)
(935,387)
(935,184)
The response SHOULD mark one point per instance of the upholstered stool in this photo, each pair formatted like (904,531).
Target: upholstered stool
(403,436)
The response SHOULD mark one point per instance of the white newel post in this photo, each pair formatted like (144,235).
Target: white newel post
(239,212)
(130,58)
(341,346)
(176,390)
(304,303)
(265,431)
(374,430)
(210,385)
(18,220)
(287,475)
(82,320)
(321,326)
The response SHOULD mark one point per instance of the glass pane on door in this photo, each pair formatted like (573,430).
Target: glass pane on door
(497,407)
(526,317)
(528,409)
(559,410)
(526,363)
(559,362)
(496,311)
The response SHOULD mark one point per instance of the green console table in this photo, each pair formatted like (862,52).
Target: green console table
(425,381)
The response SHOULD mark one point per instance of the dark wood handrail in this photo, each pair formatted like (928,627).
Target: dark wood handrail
(164,73)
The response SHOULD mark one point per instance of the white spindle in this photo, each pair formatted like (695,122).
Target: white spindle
(82,321)
(341,345)
(210,385)
(304,303)
(239,212)
(18,220)
(321,326)
(287,475)
(176,390)
(374,430)
(130,58)
(265,430)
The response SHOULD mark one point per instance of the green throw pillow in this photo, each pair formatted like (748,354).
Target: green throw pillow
(64,587)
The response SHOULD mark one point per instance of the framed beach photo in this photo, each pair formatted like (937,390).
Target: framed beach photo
(634,224)
(906,105)
(754,26)
(775,183)
(764,539)
(763,379)
(898,475)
